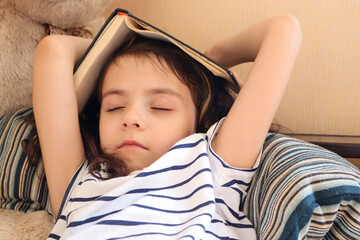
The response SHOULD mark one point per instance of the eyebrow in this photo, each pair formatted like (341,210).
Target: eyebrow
(155,91)
(113,92)
(166,91)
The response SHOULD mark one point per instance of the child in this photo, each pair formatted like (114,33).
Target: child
(147,173)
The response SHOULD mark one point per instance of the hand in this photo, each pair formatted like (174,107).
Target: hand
(211,54)
(239,80)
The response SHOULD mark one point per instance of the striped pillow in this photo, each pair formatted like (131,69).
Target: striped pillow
(303,191)
(22,186)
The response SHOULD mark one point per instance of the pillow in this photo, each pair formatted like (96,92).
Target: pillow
(22,185)
(303,191)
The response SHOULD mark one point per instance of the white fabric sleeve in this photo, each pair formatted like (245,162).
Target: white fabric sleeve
(224,174)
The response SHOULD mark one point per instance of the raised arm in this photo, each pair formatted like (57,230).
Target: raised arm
(273,45)
(56,112)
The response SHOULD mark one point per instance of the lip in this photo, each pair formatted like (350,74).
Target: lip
(131,144)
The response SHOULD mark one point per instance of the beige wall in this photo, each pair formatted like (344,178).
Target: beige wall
(323,96)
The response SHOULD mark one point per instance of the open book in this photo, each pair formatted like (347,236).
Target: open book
(111,36)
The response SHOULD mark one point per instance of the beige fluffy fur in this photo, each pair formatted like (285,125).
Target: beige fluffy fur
(22,26)
(15,225)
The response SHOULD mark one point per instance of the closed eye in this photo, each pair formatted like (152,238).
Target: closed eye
(115,108)
(161,109)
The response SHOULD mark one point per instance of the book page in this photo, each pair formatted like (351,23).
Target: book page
(149,32)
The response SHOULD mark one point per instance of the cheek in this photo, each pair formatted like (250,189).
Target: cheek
(185,126)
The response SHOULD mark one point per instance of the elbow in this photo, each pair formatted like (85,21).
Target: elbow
(294,27)
(289,26)
(50,45)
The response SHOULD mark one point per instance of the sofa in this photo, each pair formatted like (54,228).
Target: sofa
(300,191)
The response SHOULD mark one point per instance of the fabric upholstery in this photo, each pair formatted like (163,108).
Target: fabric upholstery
(22,186)
(303,191)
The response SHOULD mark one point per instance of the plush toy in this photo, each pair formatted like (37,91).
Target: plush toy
(23,23)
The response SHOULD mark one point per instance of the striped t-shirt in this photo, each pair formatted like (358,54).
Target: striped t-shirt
(189,193)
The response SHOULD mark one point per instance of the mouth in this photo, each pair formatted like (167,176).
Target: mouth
(129,144)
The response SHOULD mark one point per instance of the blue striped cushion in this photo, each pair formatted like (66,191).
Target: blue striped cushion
(22,186)
(302,191)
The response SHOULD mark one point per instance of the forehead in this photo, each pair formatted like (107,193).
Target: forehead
(143,61)
(139,72)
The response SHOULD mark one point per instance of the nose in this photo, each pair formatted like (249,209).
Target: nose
(132,118)
(134,124)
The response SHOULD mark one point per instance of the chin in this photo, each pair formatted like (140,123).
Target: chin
(138,164)
(133,167)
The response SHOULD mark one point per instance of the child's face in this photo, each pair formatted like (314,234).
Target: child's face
(145,110)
